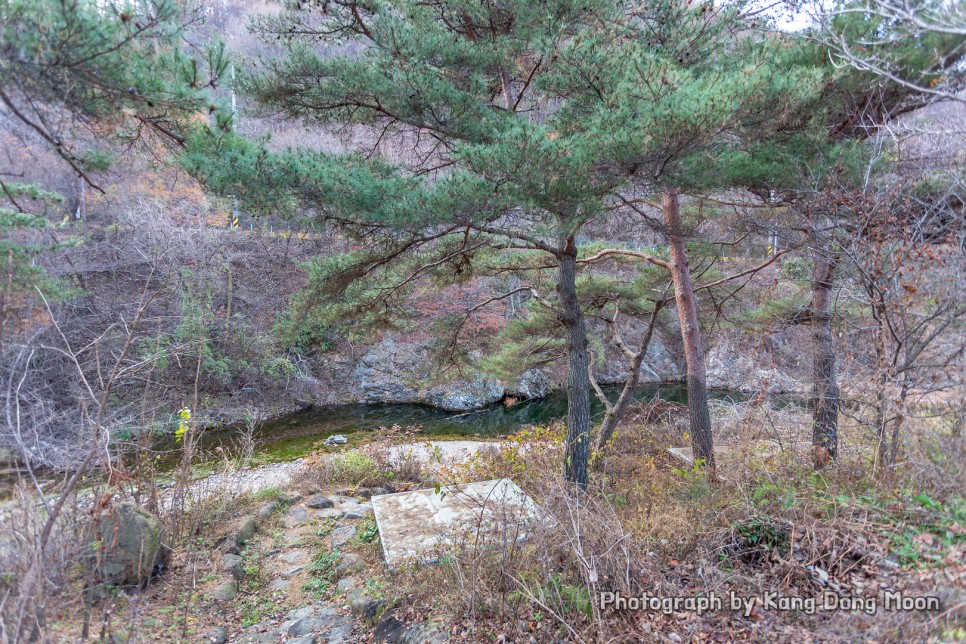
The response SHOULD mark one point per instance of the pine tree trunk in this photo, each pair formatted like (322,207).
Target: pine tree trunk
(825,393)
(702,441)
(578,377)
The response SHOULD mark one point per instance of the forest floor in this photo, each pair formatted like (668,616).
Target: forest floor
(772,538)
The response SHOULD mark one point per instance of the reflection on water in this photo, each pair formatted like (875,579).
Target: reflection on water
(294,435)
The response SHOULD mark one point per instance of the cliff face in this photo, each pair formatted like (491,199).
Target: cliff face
(398,370)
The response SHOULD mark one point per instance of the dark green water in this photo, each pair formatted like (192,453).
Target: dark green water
(293,436)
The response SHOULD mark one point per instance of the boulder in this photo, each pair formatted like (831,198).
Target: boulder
(398,372)
(363,605)
(532,383)
(428,632)
(329,513)
(295,516)
(346,585)
(392,630)
(267,509)
(131,545)
(348,564)
(357,513)
(466,396)
(308,620)
(381,374)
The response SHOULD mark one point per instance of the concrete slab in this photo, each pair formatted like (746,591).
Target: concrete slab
(425,525)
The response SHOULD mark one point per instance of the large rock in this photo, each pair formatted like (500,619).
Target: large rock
(466,396)
(382,373)
(319,502)
(216,635)
(342,535)
(532,383)
(363,605)
(305,621)
(777,363)
(225,591)
(234,564)
(392,630)
(660,364)
(131,545)
(392,372)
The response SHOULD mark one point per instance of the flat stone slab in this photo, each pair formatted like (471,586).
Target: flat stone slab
(424,525)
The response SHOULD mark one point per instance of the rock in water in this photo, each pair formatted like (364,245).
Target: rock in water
(131,542)
(466,396)
(531,384)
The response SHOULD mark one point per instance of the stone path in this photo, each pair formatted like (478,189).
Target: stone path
(309,553)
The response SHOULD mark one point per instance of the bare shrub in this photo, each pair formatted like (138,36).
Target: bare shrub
(554,564)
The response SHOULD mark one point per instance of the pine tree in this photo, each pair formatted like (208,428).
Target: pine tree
(526,121)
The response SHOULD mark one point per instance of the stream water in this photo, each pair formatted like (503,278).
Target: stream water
(293,436)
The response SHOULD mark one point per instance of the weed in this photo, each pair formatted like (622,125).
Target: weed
(368,531)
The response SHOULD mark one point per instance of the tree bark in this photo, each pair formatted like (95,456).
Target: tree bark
(881,417)
(702,441)
(578,377)
(615,413)
(825,391)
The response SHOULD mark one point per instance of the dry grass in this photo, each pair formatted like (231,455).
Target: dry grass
(373,465)
(649,525)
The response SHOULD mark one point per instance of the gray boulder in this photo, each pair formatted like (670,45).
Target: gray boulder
(531,384)
(267,509)
(392,630)
(365,606)
(466,396)
(131,545)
